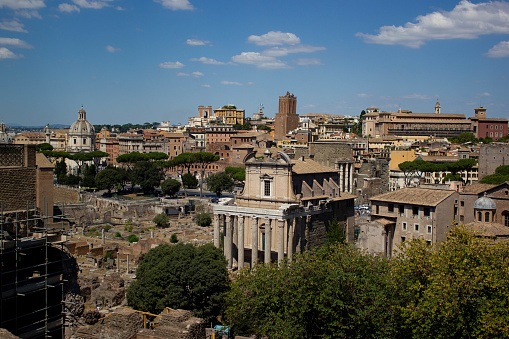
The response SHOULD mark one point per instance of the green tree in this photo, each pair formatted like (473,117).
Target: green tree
(334,292)
(264,128)
(132,238)
(336,233)
(81,159)
(202,160)
(110,177)
(60,171)
(219,182)
(189,180)
(181,277)
(237,173)
(147,175)
(170,187)
(97,156)
(43,147)
(173,239)
(203,219)
(161,220)
(463,138)
(130,159)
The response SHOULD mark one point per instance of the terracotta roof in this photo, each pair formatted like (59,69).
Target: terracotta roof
(415,196)
(243,146)
(385,222)
(309,166)
(478,188)
(489,229)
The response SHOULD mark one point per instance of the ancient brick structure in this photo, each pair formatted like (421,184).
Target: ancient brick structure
(286,119)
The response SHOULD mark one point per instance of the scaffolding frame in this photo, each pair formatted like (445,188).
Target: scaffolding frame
(22,285)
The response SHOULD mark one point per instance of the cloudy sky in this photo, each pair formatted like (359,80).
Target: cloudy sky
(153,60)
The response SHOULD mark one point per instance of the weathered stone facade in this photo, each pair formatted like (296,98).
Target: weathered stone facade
(287,118)
(492,156)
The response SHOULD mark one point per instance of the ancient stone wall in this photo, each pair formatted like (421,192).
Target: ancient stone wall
(326,153)
(65,195)
(17,187)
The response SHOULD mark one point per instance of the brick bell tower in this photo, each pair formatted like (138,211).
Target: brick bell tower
(287,118)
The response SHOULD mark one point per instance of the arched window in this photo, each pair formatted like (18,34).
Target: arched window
(479,216)
(487,216)
(505,216)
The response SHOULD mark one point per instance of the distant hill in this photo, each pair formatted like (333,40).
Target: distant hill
(17,126)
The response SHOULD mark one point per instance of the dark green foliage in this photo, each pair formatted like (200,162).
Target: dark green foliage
(336,292)
(237,173)
(501,175)
(147,175)
(43,147)
(161,220)
(264,128)
(189,180)
(417,167)
(118,235)
(132,238)
(173,239)
(181,277)
(464,138)
(219,182)
(110,177)
(246,126)
(336,233)
(130,159)
(60,171)
(170,187)
(203,219)
(72,180)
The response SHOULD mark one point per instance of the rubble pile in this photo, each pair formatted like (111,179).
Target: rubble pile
(122,324)
(178,324)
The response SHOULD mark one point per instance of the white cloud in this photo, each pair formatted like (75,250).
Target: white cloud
(231,83)
(112,49)
(235,83)
(197,74)
(175,5)
(308,62)
(12,25)
(208,61)
(14,42)
(465,21)
(120,8)
(182,74)
(283,51)
(92,4)
(274,38)
(68,8)
(259,60)
(196,42)
(486,94)
(7,54)
(28,14)
(22,4)
(206,86)
(363,95)
(500,50)
(171,64)
(417,96)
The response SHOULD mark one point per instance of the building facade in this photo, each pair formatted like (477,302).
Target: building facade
(81,137)
(484,127)
(285,207)
(230,115)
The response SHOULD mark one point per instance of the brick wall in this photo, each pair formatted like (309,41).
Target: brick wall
(17,186)
(326,153)
(65,195)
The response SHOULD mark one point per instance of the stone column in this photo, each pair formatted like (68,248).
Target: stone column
(102,236)
(254,241)
(127,263)
(216,231)
(341,177)
(268,236)
(280,240)
(347,177)
(235,243)
(352,169)
(289,246)
(240,242)
(228,241)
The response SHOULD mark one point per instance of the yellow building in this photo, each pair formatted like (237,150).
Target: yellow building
(230,115)
(398,157)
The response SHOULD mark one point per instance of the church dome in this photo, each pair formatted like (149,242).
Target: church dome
(81,126)
(485,203)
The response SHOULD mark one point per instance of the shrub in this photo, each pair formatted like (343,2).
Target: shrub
(203,219)
(133,238)
(161,219)
(173,239)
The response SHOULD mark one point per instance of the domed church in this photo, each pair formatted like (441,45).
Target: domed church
(81,137)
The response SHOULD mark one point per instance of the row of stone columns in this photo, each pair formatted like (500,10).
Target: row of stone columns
(346,177)
(236,235)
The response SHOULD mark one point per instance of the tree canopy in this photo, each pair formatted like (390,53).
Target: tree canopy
(147,175)
(500,176)
(237,173)
(110,177)
(170,187)
(456,290)
(181,276)
(189,180)
(219,182)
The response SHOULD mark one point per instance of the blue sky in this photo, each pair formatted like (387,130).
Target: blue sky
(153,60)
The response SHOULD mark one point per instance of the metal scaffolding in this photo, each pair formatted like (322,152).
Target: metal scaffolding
(32,262)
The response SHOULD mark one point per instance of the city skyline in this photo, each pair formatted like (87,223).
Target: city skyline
(128,61)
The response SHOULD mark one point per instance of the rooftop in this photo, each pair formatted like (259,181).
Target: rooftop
(415,196)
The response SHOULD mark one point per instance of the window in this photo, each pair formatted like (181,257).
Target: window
(415,210)
(426,211)
(487,217)
(84,141)
(416,227)
(462,203)
(401,209)
(479,216)
(462,218)
(403,239)
(266,191)
(377,209)
(506,218)
(429,229)
(403,226)
(391,208)
(75,141)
